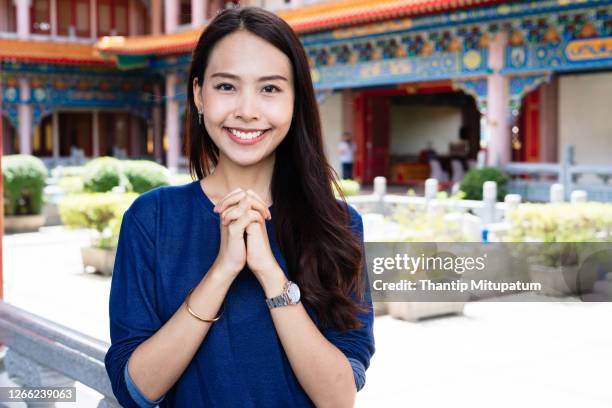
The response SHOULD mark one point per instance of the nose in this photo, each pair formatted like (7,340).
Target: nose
(247,108)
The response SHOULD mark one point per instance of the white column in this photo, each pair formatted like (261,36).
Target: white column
(56,135)
(53,17)
(156,18)
(497,120)
(23,18)
(198,12)
(25,118)
(93,19)
(95,125)
(172,124)
(133,17)
(171,15)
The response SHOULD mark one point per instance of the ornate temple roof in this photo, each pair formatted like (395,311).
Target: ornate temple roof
(307,19)
(312,18)
(50,52)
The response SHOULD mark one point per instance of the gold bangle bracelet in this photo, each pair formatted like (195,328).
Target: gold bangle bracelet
(194,314)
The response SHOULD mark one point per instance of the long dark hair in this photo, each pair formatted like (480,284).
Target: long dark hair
(312,228)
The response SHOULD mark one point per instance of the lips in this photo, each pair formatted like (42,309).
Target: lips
(245,141)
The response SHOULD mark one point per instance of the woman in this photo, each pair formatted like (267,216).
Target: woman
(245,288)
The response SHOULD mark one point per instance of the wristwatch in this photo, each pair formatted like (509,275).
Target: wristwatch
(290,296)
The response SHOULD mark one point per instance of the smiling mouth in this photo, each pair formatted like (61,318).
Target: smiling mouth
(245,137)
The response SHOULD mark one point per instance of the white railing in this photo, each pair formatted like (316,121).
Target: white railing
(486,214)
(42,353)
(538,178)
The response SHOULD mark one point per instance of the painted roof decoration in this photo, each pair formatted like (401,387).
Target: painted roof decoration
(50,52)
(317,17)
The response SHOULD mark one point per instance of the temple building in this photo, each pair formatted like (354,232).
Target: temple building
(409,79)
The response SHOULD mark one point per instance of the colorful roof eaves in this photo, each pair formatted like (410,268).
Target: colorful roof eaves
(43,52)
(313,18)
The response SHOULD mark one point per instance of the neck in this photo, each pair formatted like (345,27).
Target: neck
(229,176)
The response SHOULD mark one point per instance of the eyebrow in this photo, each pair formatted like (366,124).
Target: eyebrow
(264,78)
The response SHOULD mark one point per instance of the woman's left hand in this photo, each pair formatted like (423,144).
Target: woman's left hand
(260,258)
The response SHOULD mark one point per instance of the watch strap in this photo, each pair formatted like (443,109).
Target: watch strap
(280,300)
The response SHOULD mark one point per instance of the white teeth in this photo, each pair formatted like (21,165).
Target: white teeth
(245,135)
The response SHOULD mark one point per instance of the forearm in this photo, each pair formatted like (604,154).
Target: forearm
(321,368)
(157,363)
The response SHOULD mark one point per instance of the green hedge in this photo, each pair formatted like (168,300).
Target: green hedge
(145,175)
(100,211)
(24,180)
(349,187)
(474,179)
(104,173)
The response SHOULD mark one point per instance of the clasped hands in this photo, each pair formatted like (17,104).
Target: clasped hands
(244,238)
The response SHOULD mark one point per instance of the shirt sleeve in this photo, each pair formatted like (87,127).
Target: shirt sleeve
(357,344)
(138,396)
(132,311)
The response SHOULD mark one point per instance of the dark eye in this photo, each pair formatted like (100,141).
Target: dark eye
(224,87)
(271,88)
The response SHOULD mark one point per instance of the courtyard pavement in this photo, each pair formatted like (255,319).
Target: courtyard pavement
(506,354)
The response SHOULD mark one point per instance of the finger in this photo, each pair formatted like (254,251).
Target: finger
(255,196)
(245,219)
(250,202)
(229,200)
(231,214)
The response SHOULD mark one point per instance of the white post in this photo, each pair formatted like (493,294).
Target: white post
(557,193)
(578,196)
(380,189)
(431,188)
(489,197)
(512,202)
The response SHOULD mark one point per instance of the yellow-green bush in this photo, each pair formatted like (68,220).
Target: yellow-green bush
(561,222)
(349,187)
(100,211)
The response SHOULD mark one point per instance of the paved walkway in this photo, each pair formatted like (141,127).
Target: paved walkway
(496,354)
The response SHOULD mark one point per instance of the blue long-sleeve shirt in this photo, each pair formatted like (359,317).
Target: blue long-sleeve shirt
(168,241)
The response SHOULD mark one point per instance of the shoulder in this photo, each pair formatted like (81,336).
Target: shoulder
(354,216)
(146,207)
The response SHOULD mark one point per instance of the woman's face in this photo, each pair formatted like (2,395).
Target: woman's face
(246,98)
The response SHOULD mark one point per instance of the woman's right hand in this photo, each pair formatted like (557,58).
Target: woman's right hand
(238,209)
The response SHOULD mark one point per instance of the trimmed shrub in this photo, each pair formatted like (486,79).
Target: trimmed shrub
(104,173)
(473,181)
(561,222)
(144,175)
(100,211)
(24,180)
(349,187)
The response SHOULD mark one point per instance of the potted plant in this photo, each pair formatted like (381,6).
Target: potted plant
(102,213)
(436,225)
(557,237)
(24,179)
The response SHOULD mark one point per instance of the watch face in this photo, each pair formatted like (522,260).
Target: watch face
(293,292)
